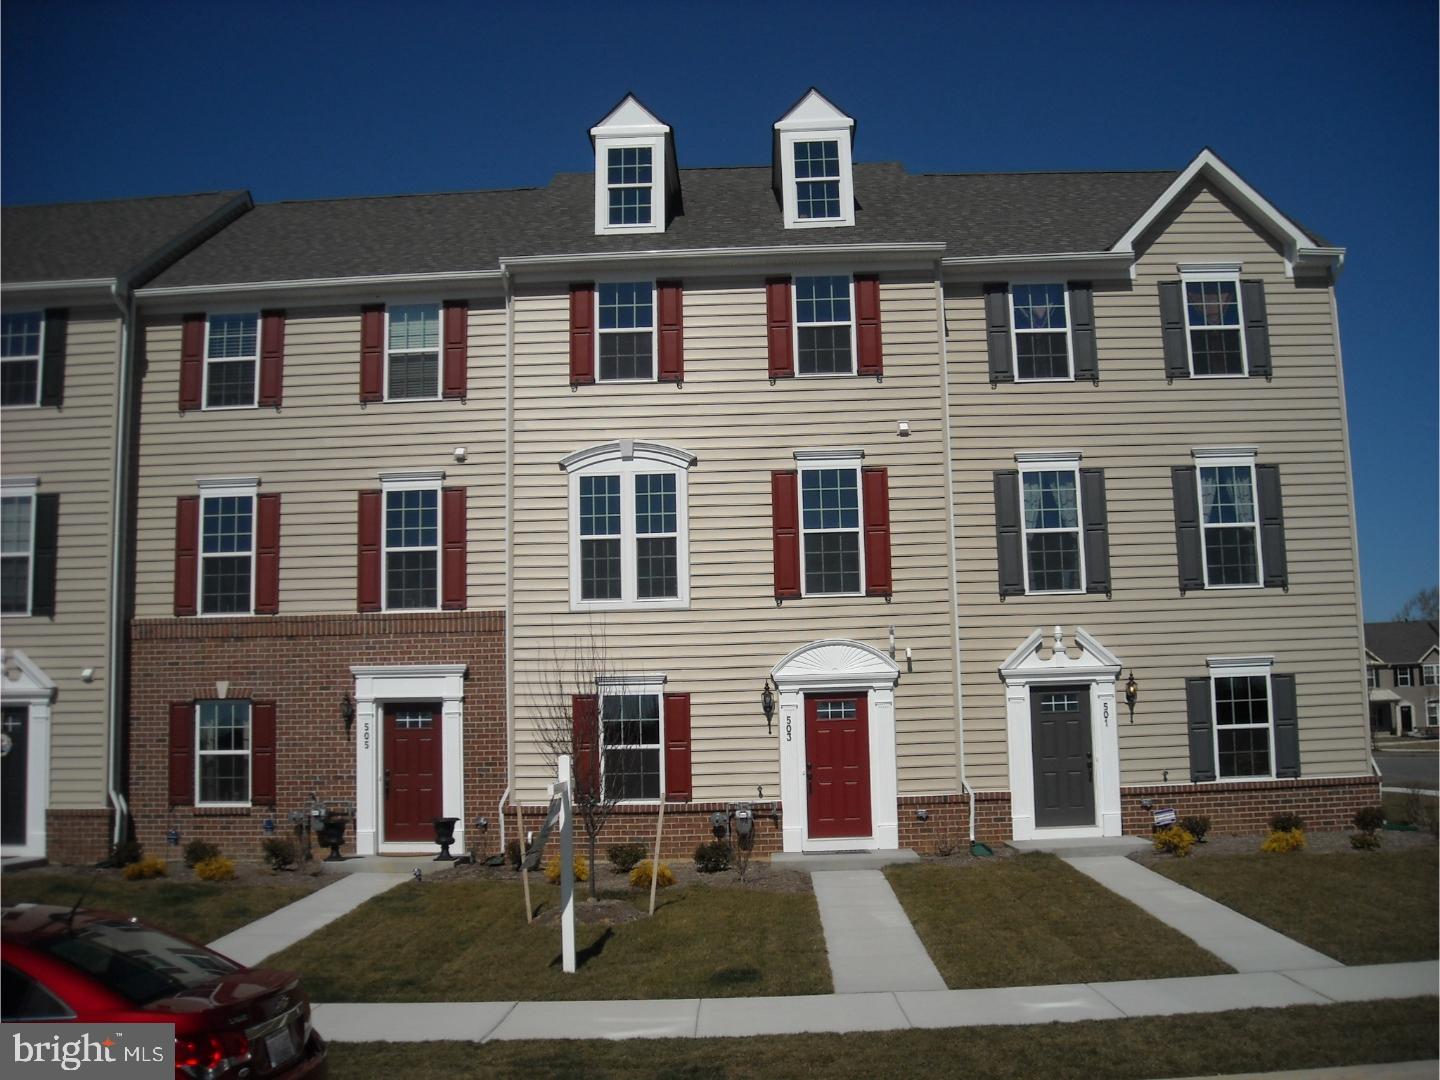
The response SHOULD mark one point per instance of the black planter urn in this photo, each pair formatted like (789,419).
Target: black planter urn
(444,836)
(332,835)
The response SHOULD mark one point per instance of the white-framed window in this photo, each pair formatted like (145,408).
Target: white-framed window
(633,159)
(1040,327)
(1372,676)
(1214,322)
(410,539)
(632,758)
(1404,676)
(227,547)
(222,753)
(825,325)
(812,148)
(630,184)
(1431,708)
(629,533)
(625,321)
(1430,675)
(232,359)
(1051,521)
(412,352)
(1241,708)
(817,179)
(1229,519)
(22,343)
(832,550)
(17,546)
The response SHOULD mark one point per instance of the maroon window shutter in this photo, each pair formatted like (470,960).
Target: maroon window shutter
(272,357)
(192,361)
(777,327)
(867,325)
(785,516)
(267,554)
(585,718)
(677,748)
(582,335)
(187,552)
(372,352)
(876,495)
(367,589)
(452,563)
(457,348)
(672,331)
(262,753)
(182,753)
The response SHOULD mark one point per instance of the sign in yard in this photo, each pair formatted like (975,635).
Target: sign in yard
(537,842)
(560,793)
(1164,817)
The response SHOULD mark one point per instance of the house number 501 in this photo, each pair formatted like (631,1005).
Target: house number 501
(1105,711)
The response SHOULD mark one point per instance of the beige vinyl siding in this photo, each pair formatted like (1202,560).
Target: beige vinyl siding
(1136,427)
(317,451)
(741,427)
(70,450)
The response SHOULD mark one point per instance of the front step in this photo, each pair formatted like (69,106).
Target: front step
(1081,846)
(840,860)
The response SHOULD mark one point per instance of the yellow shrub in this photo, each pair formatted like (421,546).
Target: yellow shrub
(1282,840)
(218,868)
(148,867)
(640,876)
(1174,839)
(552,870)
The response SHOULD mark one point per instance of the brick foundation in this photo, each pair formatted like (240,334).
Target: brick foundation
(302,663)
(1326,803)
(77,837)
(687,825)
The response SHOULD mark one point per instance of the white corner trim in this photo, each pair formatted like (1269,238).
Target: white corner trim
(411,476)
(1047,457)
(238,483)
(811,457)
(628,450)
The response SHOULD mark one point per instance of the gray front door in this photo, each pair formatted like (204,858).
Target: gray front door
(1060,746)
(14,728)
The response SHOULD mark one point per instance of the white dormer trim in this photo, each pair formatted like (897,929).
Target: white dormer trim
(631,124)
(814,119)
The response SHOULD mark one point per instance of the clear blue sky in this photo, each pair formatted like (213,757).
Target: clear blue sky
(1330,109)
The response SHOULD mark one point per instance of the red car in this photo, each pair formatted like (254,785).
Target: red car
(99,967)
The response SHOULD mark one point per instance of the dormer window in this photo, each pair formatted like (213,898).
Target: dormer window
(811,171)
(631,177)
(636,182)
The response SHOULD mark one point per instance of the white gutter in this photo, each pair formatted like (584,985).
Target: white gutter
(119,485)
(509,549)
(768,252)
(1120,258)
(372,281)
(76,285)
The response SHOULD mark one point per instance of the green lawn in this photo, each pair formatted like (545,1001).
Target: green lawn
(468,941)
(1375,908)
(203,912)
(1031,920)
(1259,1040)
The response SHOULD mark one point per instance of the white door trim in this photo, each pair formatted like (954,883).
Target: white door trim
(839,666)
(377,685)
(1094,665)
(26,684)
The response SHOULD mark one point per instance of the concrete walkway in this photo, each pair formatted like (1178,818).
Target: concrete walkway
(281,929)
(871,943)
(894,1011)
(1244,944)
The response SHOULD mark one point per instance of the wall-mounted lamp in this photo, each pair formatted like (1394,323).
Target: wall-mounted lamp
(767,703)
(87,675)
(347,711)
(909,659)
(902,429)
(1132,694)
(459,454)
(922,814)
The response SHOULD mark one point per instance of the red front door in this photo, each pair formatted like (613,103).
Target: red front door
(837,769)
(412,771)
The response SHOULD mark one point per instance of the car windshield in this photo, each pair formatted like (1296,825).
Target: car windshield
(138,962)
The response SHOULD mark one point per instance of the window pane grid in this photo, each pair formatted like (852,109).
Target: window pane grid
(830,519)
(1051,520)
(817,180)
(1231,529)
(630,743)
(1212,313)
(223,751)
(229,382)
(1242,725)
(414,327)
(835,710)
(226,542)
(626,321)
(412,558)
(20,335)
(233,337)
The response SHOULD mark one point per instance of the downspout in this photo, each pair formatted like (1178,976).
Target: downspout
(509,545)
(124,299)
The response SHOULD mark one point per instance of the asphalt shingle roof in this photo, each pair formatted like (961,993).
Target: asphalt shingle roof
(82,241)
(1401,642)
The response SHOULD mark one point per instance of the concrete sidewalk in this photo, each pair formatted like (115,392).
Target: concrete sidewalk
(281,929)
(1243,943)
(868,936)
(891,1011)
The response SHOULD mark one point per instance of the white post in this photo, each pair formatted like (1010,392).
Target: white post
(567,866)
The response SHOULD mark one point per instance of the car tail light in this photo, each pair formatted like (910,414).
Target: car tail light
(208,1057)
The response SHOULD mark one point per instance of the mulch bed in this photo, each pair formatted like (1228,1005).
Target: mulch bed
(304,875)
(1317,843)
(761,877)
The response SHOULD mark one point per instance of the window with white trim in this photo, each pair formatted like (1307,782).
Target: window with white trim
(1040,324)
(630,184)
(831,548)
(825,325)
(631,761)
(222,753)
(625,323)
(817,179)
(1240,698)
(227,550)
(1430,675)
(1229,522)
(1431,708)
(17,550)
(812,146)
(1372,677)
(1050,519)
(1404,676)
(232,359)
(412,352)
(22,335)
(1214,327)
(411,545)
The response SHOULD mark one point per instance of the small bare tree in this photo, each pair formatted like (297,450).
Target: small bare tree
(567,721)
(1424,605)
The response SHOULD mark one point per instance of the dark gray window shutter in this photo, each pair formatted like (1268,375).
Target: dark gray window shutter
(1187,528)
(1097,531)
(47,529)
(1202,740)
(1287,725)
(1007,533)
(997,333)
(1257,328)
(1272,527)
(1082,331)
(52,368)
(1172,327)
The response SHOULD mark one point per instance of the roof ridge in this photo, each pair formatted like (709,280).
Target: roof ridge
(228,192)
(399,195)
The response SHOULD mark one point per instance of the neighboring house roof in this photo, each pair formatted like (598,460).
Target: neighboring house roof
(1401,642)
(65,242)
(980,214)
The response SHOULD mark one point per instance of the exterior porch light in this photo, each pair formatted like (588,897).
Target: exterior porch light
(767,703)
(347,711)
(1132,694)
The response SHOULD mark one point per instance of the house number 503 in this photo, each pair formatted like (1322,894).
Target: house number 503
(365,736)
(787,729)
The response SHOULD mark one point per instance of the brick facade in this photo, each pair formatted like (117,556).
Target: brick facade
(77,837)
(302,663)
(1326,803)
